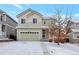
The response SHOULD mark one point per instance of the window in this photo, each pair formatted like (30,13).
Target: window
(1,18)
(29,32)
(43,34)
(22,21)
(3,28)
(77,36)
(34,20)
(77,26)
(52,22)
(44,22)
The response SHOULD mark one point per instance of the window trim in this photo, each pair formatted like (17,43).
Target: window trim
(22,21)
(44,22)
(3,28)
(1,18)
(34,20)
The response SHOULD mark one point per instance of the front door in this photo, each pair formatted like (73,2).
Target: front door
(44,33)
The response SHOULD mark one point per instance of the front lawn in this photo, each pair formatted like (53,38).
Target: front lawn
(37,48)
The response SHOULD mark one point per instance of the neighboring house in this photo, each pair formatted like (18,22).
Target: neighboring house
(74,35)
(32,25)
(7,25)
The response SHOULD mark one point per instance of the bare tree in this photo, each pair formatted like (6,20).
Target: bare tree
(58,23)
(61,27)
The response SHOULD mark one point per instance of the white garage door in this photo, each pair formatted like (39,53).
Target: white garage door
(29,35)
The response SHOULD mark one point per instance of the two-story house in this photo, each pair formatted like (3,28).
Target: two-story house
(32,25)
(7,25)
(74,35)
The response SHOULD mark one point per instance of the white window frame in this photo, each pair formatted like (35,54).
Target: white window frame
(34,20)
(22,21)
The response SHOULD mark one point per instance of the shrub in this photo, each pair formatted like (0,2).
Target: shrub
(50,40)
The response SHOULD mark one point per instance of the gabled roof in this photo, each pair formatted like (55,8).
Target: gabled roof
(2,12)
(28,11)
(75,20)
(49,18)
(75,30)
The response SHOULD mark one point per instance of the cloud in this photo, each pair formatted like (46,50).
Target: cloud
(18,6)
(76,15)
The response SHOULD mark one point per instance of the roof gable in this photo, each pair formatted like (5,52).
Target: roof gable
(32,11)
(2,12)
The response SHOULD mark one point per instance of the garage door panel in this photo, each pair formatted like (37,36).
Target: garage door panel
(29,35)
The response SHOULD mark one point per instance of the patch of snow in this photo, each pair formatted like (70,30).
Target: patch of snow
(37,48)
(62,49)
(21,48)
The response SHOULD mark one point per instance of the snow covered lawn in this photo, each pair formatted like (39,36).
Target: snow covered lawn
(37,48)
(62,49)
(20,48)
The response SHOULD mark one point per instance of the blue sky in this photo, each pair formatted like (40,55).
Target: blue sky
(44,9)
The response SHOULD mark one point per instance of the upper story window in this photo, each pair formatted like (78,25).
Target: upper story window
(34,20)
(44,22)
(76,26)
(22,21)
(52,21)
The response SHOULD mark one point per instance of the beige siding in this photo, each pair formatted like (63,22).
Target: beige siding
(29,22)
(47,22)
(30,27)
(23,16)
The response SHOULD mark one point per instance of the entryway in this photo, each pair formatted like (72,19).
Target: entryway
(45,34)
